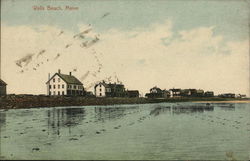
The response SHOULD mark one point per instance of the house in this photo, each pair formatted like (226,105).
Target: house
(185,92)
(155,89)
(63,84)
(156,92)
(103,89)
(175,92)
(241,96)
(199,93)
(132,93)
(165,93)
(196,92)
(209,94)
(2,88)
(227,95)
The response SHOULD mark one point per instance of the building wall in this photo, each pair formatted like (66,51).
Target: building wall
(57,86)
(73,89)
(100,91)
(2,90)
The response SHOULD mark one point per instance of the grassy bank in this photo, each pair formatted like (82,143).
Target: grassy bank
(26,101)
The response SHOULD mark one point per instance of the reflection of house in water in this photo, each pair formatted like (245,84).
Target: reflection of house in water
(159,110)
(226,106)
(112,113)
(2,119)
(191,109)
(68,117)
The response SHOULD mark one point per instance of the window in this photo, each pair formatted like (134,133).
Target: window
(49,93)
(58,86)
(100,89)
(54,80)
(63,86)
(100,85)
(74,86)
(49,86)
(100,94)
(58,79)
(62,92)
(58,93)
(54,93)
(68,86)
(54,86)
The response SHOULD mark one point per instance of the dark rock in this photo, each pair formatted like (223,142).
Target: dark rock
(35,149)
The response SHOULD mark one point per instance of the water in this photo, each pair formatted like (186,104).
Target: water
(219,131)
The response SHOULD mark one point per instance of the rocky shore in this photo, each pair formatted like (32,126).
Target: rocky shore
(37,101)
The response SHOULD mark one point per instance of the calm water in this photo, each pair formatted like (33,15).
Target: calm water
(150,131)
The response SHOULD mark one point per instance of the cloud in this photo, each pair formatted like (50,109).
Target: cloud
(141,58)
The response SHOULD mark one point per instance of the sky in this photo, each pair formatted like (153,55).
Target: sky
(170,44)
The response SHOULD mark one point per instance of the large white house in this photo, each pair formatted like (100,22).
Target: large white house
(63,84)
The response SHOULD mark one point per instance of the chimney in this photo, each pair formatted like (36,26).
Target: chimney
(69,73)
(59,71)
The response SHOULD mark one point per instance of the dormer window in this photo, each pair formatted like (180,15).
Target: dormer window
(54,79)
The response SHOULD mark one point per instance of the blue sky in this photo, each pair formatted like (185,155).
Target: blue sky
(229,16)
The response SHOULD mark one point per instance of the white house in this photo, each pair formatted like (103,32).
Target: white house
(63,84)
(103,89)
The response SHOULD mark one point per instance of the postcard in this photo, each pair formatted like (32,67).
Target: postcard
(125,80)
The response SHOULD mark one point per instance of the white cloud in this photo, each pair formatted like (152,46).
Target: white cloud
(141,58)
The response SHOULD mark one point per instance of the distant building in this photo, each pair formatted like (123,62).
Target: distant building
(227,95)
(156,92)
(175,92)
(63,84)
(104,89)
(196,92)
(209,94)
(185,93)
(241,96)
(2,88)
(132,93)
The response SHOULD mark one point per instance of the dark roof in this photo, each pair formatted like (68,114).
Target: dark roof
(133,91)
(175,89)
(70,79)
(2,83)
(110,85)
(156,88)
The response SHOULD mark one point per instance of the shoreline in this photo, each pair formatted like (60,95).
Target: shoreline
(228,101)
(40,101)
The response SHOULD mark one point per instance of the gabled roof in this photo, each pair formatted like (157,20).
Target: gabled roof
(110,85)
(2,83)
(70,79)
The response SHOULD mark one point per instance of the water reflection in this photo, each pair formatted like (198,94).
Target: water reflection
(226,106)
(2,119)
(160,110)
(68,117)
(181,109)
(113,113)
